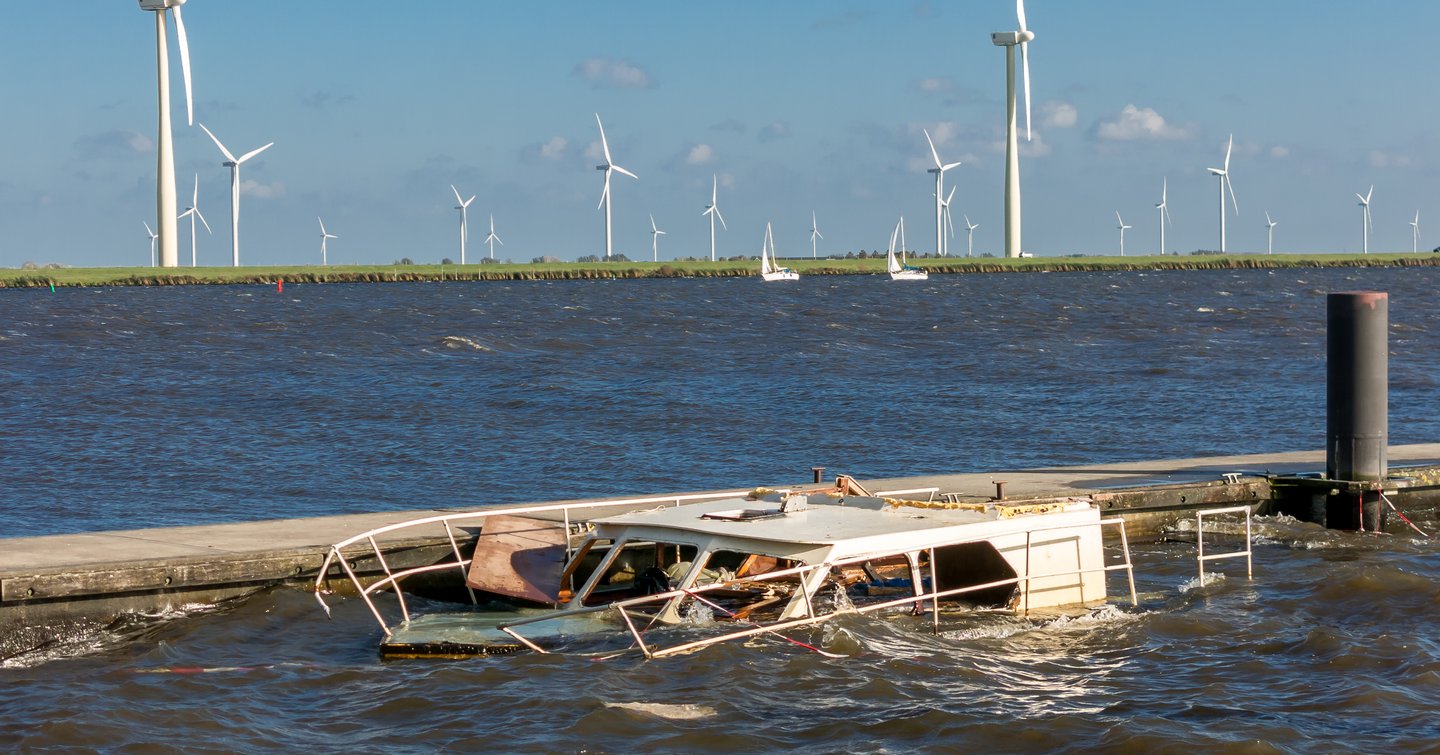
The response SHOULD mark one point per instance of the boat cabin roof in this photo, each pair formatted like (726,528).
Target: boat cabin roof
(837,525)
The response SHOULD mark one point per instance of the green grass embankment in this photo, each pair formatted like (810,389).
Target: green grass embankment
(149,276)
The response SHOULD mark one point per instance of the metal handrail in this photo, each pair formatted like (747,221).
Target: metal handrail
(1201,558)
(934,595)
(392,578)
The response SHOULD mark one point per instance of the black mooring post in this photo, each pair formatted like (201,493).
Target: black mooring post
(1357,404)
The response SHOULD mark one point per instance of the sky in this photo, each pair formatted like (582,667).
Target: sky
(377,108)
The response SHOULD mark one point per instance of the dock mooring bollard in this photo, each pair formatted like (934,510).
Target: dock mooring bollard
(1357,405)
(819,473)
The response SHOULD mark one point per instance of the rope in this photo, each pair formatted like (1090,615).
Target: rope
(1402,516)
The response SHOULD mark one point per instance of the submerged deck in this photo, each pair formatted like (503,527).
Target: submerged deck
(98,574)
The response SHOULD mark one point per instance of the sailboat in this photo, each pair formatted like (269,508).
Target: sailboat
(899,271)
(769,271)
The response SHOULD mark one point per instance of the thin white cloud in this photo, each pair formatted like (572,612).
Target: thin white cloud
(774,130)
(593,151)
(1034,147)
(1057,114)
(252,188)
(699,155)
(1141,124)
(554,149)
(727,180)
(113,143)
(612,73)
(935,84)
(1380,159)
(1279,151)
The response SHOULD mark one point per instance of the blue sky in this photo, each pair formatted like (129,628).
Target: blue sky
(376,108)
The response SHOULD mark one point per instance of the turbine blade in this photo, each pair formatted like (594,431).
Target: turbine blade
(619,169)
(714,188)
(201,215)
(213,138)
(457,194)
(1117,218)
(195,195)
(184,64)
(1231,187)
(604,145)
(1370,193)
(1020,13)
(1362,199)
(147,229)
(653,227)
(933,153)
(1167,216)
(716,208)
(950,196)
(322,226)
(1228,147)
(950,166)
(1164,188)
(1025,62)
(604,193)
(254,152)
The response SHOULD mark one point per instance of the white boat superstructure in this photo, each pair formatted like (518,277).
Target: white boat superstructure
(769,270)
(898,270)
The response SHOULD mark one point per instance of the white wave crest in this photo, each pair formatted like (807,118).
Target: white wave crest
(668,711)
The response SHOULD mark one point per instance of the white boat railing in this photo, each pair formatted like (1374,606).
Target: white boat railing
(392,577)
(1201,558)
(805,573)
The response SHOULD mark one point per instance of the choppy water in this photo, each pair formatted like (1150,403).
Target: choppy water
(133,407)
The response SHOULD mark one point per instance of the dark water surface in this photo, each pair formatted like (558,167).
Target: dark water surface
(138,407)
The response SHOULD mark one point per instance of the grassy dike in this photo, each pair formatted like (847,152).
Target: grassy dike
(148,276)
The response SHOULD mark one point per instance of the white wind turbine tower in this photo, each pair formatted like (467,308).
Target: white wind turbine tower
(655,234)
(1010,40)
(165,217)
(491,238)
(153,236)
(713,210)
(949,226)
(234,165)
(970,236)
(1164,209)
(324,236)
(814,234)
(609,167)
(1269,233)
(1415,234)
(939,171)
(193,211)
(464,223)
(1224,175)
(1365,203)
(1123,228)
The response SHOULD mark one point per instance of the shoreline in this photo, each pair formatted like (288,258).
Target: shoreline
(312,274)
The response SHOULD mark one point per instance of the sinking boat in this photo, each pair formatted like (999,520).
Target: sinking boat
(765,562)
(769,269)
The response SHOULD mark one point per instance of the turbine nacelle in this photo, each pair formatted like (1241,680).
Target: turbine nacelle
(160,4)
(1011,38)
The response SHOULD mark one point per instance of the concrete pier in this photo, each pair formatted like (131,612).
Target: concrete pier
(99,575)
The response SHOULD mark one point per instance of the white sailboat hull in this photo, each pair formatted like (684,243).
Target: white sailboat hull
(783,274)
(909,275)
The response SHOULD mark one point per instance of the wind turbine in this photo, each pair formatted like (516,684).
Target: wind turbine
(1269,233)
(194,212)
(1365,203)
(1164,209)
(234,165)
(153,236)
(1224,175)
(165,217)
(491,238)
(1010,40)
(324,236)
(1123,228)
(655,234)
(814,234)
(609,167)
(970,236)
(1415,233)
(939,171)
(713,210)
(949,226)
(464,225)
